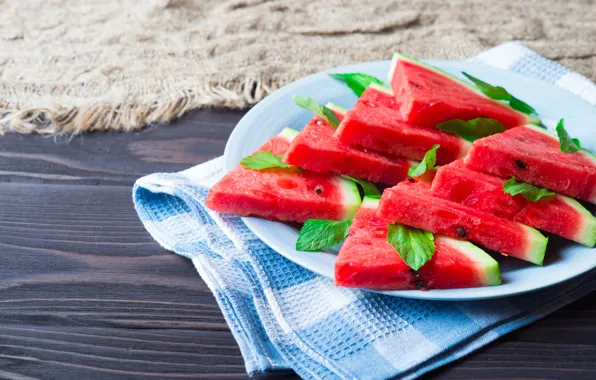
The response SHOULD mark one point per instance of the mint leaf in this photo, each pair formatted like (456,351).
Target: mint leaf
(413,245)
(493,92)
(369,189)
(499,93)
(358,82)
(568,145)
(330,117)
(264,160)
(311,105)
(474,129)
(521,106)
(427,163)
(318,234)
(530,192)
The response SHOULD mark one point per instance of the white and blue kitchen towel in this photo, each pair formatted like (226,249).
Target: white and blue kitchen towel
(286,317)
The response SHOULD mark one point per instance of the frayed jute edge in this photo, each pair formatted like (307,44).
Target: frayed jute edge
(61,120)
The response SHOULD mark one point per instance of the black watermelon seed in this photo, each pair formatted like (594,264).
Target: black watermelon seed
(415,84)
(461,232)
(520,164)
(411,179)
(318,190)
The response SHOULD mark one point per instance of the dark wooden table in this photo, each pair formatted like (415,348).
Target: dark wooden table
(85,293)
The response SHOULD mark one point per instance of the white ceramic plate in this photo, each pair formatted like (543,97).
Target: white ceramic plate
(564,259)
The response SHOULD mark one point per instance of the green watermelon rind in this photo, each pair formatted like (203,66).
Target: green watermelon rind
(336,108)
(372,203)
(586,234)
(288,134)
(352,200)
(536,248)
(400,56)
(465,147)
(487,266)
(382,88)
(351,197)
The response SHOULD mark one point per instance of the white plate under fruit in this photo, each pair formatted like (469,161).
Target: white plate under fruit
(564,259)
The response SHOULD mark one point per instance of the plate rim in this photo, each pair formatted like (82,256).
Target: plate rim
(255,224)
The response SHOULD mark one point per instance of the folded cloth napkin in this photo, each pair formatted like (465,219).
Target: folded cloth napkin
(286,317)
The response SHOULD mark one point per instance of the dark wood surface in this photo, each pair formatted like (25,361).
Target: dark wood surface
(85,293)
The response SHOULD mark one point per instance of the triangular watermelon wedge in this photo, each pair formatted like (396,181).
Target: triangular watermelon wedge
(414,204)
(285,194)
(431,96)
(375,123)
(533,155)
(367,260)
(559,214)
(317,150)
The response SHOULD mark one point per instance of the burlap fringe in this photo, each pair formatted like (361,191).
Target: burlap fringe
(132,116)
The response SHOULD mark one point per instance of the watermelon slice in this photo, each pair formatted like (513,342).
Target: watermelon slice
(375,123)
(285,194)
(414,204)
(431,96)
(317,150)
(367,260)
(532,155)
(559,215)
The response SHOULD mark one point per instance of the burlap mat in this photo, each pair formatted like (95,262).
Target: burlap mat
(69,66)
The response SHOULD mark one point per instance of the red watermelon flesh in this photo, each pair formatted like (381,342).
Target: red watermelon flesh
(532,155)
(317,150)
(367,260)
(559,215)
(414,204)
(375,123)
(430,96)
(288,194)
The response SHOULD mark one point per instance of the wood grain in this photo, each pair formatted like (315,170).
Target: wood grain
(115,158)
(85,293)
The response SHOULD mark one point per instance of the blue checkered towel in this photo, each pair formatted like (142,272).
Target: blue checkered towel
(286,317)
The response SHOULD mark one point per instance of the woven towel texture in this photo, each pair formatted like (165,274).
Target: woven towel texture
(69,67)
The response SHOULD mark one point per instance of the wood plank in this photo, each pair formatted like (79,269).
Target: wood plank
(116,158)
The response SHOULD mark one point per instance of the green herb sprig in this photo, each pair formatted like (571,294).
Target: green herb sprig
(474,129)
(358,82)
(369,188)
(530,192)
(311,105)
(428,162)
(568,144)
(414,246)
(318,234)
(500,93)
(264,160)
